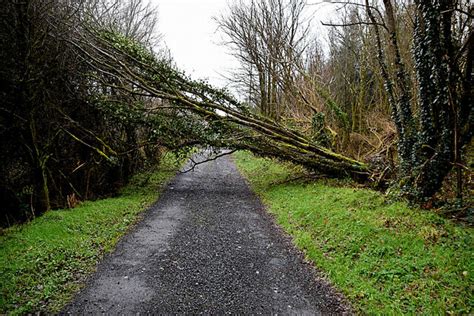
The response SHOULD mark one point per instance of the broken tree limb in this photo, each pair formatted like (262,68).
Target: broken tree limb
(139,70)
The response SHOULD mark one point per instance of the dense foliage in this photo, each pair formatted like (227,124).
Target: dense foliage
(59,141)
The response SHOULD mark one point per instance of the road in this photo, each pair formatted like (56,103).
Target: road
(207,247)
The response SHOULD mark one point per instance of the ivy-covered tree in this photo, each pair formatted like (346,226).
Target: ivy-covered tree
(433,115)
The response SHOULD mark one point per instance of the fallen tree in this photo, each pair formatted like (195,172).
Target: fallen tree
(120,63)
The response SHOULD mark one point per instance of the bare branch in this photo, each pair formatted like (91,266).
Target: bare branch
(197,163)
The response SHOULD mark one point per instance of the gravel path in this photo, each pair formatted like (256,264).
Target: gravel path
(207,247)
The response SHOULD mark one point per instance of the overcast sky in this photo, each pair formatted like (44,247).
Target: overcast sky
(191,35)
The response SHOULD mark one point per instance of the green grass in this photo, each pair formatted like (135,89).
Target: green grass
(385,257)
(44,262)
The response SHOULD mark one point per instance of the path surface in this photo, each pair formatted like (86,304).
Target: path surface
(207,247)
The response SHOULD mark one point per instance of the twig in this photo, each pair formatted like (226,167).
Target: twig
(207,160)
(352,24)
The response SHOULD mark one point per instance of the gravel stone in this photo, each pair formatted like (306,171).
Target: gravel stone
(207,247)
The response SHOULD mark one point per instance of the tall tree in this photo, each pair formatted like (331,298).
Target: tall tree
(268,38)
(431,130)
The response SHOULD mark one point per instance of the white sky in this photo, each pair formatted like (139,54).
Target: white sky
(191,35)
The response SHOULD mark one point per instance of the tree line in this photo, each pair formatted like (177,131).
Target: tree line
(88,101)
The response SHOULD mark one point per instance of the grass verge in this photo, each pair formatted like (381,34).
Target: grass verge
(44,262)
(385,257)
